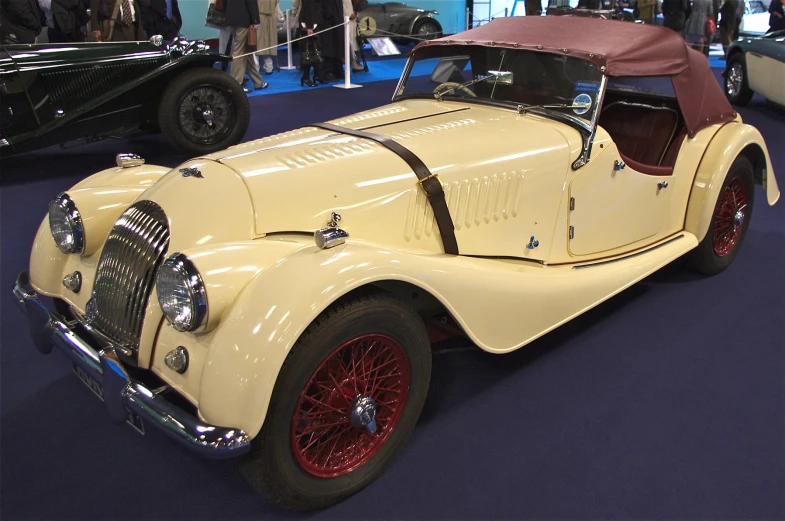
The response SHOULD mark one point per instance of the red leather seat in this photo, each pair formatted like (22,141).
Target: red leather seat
(641,132)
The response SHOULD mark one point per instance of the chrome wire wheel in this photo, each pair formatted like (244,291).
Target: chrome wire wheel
(206,114)
(350,406)
(730,217)
(735,80)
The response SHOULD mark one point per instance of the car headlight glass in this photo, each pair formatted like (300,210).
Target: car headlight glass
(65,224)
(181,293)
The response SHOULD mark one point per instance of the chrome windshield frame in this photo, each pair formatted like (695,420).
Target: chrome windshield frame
(589,138)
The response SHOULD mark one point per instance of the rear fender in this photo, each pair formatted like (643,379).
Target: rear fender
(732,140)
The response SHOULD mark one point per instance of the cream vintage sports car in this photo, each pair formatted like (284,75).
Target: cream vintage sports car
(270,301)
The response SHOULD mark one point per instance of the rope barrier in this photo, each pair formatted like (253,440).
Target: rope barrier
(291,41)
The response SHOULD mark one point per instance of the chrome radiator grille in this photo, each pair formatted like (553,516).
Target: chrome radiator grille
(126,272)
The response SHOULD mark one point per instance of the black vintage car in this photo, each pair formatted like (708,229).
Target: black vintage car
(56,93)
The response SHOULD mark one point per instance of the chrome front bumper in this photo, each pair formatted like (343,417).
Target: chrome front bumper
(119,392)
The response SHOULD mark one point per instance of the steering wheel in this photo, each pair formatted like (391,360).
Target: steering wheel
(452,86)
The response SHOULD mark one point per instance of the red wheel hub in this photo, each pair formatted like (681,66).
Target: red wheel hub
(370,370)
(730,216)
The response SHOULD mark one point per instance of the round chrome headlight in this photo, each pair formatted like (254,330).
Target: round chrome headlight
(181,293)
(66,225)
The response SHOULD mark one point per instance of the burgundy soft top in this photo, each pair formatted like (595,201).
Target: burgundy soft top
(618,49)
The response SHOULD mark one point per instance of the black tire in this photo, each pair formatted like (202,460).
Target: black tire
(273,466)
(716,251)
(427,29)
(737,89)
(188,97)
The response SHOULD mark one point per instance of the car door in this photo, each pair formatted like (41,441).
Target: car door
(769,53)
(613,205)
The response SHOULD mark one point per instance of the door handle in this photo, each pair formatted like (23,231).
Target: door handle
(619,165)
(661,185)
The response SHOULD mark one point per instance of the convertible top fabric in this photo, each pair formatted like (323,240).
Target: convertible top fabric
(618,49)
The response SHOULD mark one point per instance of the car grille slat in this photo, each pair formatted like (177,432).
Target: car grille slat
(134,250)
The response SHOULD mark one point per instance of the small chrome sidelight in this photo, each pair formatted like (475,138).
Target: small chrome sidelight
(73,281)
(661,185)
(619,165)
(177,359)
(128,160)
(533,243)
(157,40)
(330,237)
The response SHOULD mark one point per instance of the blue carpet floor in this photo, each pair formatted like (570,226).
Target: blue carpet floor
(664,403)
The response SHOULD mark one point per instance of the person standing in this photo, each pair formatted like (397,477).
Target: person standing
(646,9)
(533,7)
(776,15)
(267,34)
(70,19)
(308,14)
(242,16)
(695,33)
(20,21)
(354,48)
(162,17)
(728,22)
(116,20)
(675,14)
(332,41)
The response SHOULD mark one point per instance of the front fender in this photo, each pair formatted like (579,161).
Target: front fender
(732,139)
(100,199)
(522,301)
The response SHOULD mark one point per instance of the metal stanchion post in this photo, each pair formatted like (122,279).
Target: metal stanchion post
(347,64)
(468,14)
(289,64)
(505,12)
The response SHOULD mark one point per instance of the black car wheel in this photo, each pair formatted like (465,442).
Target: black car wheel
(729,222)
(427,30)
(345,401)
(737,90)
(202,111)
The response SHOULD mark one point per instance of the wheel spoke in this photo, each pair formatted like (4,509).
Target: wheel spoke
(324,441)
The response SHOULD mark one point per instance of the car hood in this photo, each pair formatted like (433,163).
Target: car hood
(481,154)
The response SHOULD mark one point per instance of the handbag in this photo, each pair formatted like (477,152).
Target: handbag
(711,27)
(216,18)
(310,55)
(250,40)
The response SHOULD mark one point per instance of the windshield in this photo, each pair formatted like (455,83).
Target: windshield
(527,80)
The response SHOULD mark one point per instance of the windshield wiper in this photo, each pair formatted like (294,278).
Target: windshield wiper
(524,108)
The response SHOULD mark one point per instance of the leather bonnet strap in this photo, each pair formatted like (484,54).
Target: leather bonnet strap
(430,183)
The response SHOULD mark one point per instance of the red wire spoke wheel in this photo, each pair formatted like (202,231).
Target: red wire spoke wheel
(730,216)
(729,221)
(345,400)
(325,440)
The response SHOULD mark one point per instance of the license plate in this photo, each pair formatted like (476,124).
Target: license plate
(133,419)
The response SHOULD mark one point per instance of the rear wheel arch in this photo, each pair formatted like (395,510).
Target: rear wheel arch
(757,157)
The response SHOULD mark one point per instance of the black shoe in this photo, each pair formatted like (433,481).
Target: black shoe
(264,85)
(247,90)
(305,80)
(318,78)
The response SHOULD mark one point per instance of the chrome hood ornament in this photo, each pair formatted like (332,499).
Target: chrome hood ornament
(191,172)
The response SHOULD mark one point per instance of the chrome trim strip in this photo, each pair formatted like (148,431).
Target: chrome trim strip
(630,256)
(121,394)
